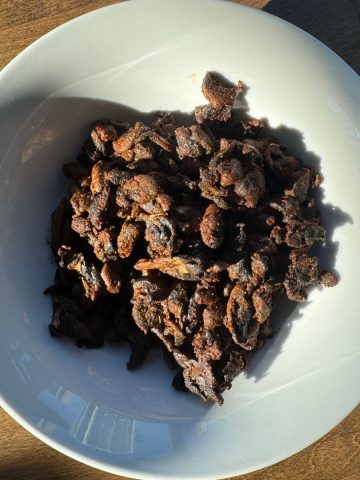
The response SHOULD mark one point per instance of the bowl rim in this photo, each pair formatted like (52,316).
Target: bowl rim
(6,405)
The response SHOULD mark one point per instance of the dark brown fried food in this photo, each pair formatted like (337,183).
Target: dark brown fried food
(145,191)
(102,135)
(262,301)
(303,234)
(302,273)
(239,271)
(212,227)
(111,279)
(133,144)
(217,93)
(184,236)
(209,113)
(80,201)
(98,207)
(239,319)
(161,235)
(89,275)
(213,315)
(104,244)
(234,178)
(253,128)
(193,142)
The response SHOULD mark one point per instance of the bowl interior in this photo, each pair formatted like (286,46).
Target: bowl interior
(85,402)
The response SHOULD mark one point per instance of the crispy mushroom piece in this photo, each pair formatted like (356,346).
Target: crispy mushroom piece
(217,93)
(212,227)
(193,142)
(183,267)
(129,235)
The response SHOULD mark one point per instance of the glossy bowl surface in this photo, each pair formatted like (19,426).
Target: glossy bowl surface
(147,55)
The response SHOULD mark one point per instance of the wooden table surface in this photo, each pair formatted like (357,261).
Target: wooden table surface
(334,457)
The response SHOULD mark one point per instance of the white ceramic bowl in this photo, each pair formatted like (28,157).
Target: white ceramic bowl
(151,55)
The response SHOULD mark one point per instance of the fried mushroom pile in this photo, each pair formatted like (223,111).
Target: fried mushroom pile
(184,236)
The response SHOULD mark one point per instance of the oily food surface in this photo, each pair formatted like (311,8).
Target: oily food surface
(184,236)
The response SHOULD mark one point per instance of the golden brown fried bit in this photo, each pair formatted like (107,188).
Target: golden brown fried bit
(103,243)
(199,378)
(207,345)
(159,206)
(230,171)
(260,143)
(259,265)
(111,279)
(281,164)
(141,188)
(301,185)
(178,300)
(182,267)
(144,191)
(214,315)
(205,293)
(251,187)
(212,227)
(80,201)
(161,142)
(143,152)
(124,146)
(97,177)
(151,313)
(81,226)
(253,128)
(104,132)
(129,235)
(303,234)
(239,271)
(102,136)
(262,301)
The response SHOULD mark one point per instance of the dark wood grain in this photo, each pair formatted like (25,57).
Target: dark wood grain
(334,22)
(24,21)
(337,455)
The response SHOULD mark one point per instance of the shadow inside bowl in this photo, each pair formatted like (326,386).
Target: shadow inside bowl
(52,133)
